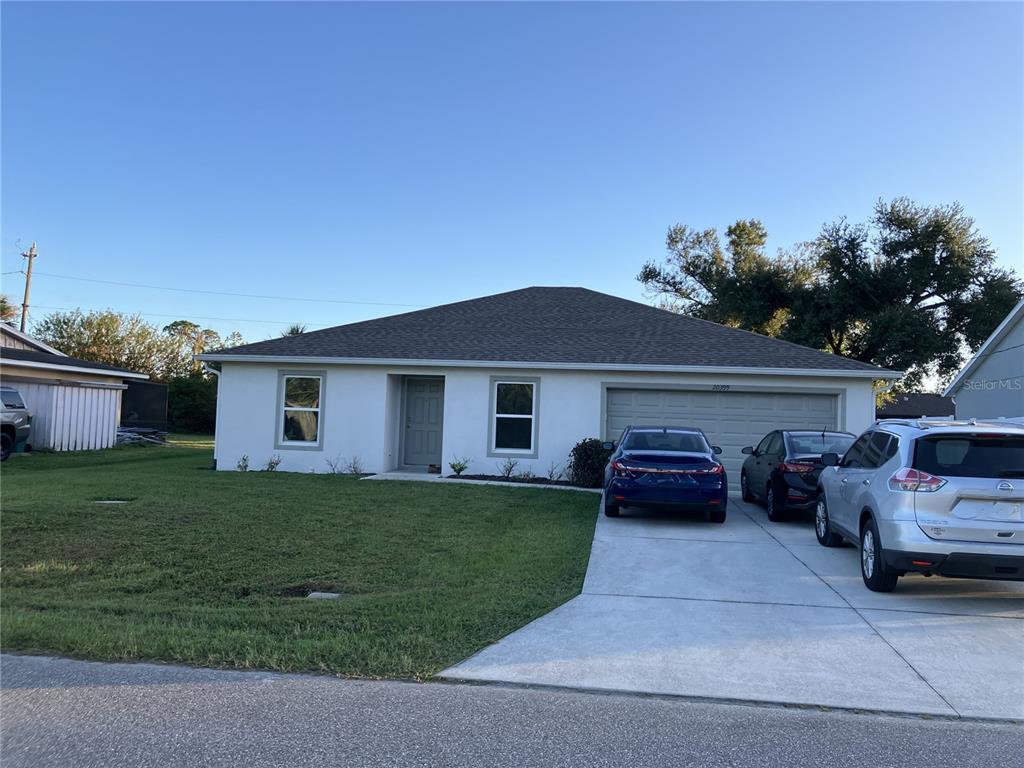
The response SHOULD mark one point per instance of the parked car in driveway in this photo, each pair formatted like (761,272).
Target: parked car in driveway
(935,497)
(673,467)
(782,470)
(15,422)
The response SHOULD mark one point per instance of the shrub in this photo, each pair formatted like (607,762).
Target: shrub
(458,466)
(273,463)
(587,461)
(243,463)
(507,467)
(192,404)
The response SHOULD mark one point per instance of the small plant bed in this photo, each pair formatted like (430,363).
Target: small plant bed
(535,480)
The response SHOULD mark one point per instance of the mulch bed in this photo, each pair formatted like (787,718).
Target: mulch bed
(514,479)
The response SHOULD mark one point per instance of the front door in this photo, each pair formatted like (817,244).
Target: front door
(424,415)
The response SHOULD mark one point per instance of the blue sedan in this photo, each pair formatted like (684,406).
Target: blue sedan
(665,467)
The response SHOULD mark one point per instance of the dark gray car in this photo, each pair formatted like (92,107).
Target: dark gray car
(15,422)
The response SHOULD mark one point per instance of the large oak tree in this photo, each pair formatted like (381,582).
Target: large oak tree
(915,288)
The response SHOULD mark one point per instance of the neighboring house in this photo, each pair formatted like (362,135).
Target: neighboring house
(75,404)
(991,385)
(914,405)
(522,375)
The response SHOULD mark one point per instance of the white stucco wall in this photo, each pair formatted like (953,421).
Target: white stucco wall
(995,388)
(361,406)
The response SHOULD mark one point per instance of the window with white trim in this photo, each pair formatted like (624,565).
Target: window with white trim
(515,407)
(300,409)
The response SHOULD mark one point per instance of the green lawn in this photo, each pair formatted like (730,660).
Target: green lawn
(212,568)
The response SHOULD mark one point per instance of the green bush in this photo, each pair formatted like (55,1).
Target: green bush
(587,461)
(192,404)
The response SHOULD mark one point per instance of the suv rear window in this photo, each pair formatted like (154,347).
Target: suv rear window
(970,455)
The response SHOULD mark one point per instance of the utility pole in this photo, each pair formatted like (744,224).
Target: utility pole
(30,254)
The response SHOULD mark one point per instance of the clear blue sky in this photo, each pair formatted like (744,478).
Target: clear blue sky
(425,153)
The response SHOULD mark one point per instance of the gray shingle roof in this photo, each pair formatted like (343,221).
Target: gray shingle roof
(550,325)
(914,405)
(32,356)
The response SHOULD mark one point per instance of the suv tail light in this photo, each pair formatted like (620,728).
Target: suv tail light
(908,479)
(790,466)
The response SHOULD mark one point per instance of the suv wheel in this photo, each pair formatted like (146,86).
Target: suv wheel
(877,576)
(822,527)
(745,493)
(771,503)
(6,446)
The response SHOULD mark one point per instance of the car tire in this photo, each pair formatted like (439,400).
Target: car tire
(611,510)
(823,527)
(6,447)
(878,577)
(745,493)
(771,503)
(716,515)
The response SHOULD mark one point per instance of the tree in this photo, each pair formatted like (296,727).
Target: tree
(194,340)
(295,329)
(8,311)
(126,341)
(913,289)
(129,342)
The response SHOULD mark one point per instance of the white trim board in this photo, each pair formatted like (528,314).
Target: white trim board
(510,364)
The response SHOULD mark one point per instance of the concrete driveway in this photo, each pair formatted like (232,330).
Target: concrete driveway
(758,611)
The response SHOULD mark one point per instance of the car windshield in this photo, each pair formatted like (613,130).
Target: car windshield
(971,455)
(11,399)
(817,443)
(665,440)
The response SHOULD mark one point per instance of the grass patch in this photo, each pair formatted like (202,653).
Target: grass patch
(210,568)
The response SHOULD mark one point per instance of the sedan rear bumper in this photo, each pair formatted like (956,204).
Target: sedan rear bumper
(965,565)
(632,494)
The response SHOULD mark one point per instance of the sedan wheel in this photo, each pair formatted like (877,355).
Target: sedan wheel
(745,493)
(774,513)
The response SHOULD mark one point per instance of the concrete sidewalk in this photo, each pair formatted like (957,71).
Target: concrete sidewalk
(758,611)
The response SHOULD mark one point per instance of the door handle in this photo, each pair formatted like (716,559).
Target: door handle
(865,482)
(845,480)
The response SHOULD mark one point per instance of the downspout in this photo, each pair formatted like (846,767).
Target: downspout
(207,368)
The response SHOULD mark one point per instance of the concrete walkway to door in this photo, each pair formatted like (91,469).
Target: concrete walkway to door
(758,611)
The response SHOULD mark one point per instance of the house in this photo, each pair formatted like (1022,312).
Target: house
(522,375)
(991,385)
(914,405)
(75,404)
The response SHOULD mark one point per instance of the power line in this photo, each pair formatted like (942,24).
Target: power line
(229,293)
(188,315)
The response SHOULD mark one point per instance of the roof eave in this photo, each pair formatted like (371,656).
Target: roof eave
(322,360)
(114,374)
(994,338)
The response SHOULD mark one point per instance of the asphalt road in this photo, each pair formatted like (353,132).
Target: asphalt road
(57,712)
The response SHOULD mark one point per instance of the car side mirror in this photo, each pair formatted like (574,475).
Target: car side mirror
(716,449)
(608,445)
(830,459)
(747,449)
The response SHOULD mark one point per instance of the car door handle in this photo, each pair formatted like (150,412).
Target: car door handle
(865,482)
(845,480)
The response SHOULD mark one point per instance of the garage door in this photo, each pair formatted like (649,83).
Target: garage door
(730,419)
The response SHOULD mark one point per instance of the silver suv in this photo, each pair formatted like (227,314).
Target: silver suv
(934,497)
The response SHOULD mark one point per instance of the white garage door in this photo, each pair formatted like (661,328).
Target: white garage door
(731,420)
